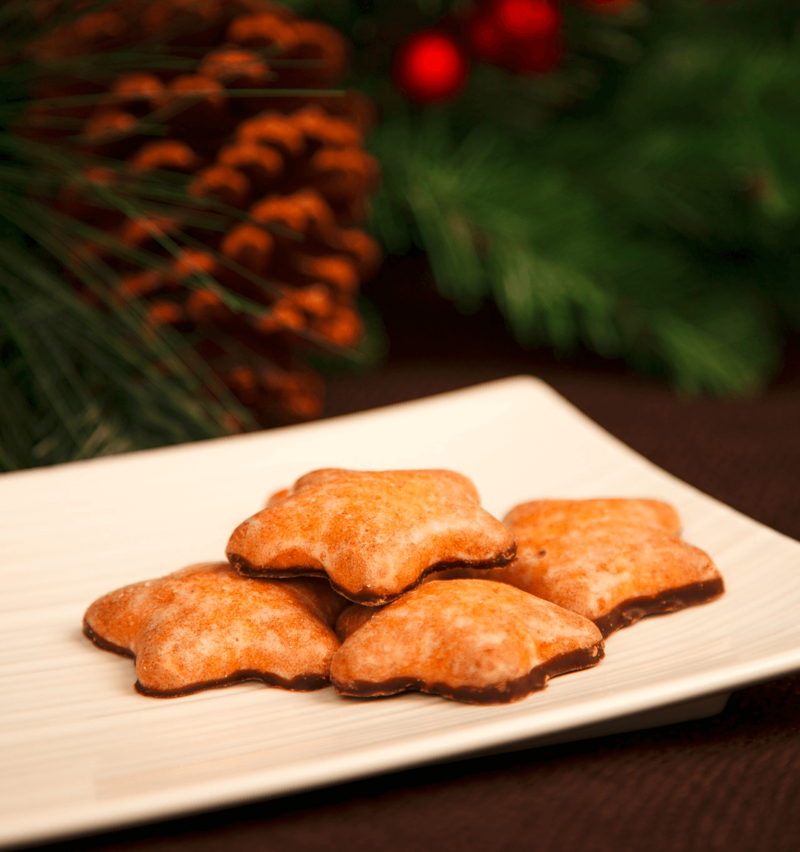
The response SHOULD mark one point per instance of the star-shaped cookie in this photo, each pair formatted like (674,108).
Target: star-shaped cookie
(374,535)
(474,641)
(206,626)
(613,561)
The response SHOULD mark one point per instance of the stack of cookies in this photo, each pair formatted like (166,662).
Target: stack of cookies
(383,582)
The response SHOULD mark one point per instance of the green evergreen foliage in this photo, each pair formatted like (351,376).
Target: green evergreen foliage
(642,200)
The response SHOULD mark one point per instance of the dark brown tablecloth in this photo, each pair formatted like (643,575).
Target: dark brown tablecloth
(731,782)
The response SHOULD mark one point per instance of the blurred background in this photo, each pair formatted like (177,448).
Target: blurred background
(215,215)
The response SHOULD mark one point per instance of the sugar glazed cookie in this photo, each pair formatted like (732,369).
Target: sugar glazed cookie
(374,535)
(475,641)
(612,561)
(205,626)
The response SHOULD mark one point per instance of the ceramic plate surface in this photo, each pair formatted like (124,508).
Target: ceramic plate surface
(80,750)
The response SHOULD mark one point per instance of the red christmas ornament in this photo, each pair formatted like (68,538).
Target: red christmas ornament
(523,36)
(430,66)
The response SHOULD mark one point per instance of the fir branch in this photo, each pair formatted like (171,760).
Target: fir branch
(551,303)
(161,347)
(723,346)
(563,271)
(72,378)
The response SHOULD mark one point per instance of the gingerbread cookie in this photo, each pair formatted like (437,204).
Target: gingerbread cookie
(474,641)
(374,535)
(205,626)
(612,561)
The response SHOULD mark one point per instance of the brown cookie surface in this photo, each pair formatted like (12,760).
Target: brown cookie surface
(205,626)
(567,514)
(474,641)
(374,535)
(609,561)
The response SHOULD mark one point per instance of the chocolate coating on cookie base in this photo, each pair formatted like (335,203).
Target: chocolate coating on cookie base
(515,690)
(630,611)
(247,569)
(304,683)
(104,643)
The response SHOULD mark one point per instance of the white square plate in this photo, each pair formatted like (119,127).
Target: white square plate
(80,750)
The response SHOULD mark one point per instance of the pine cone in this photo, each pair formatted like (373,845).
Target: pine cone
(285,177)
